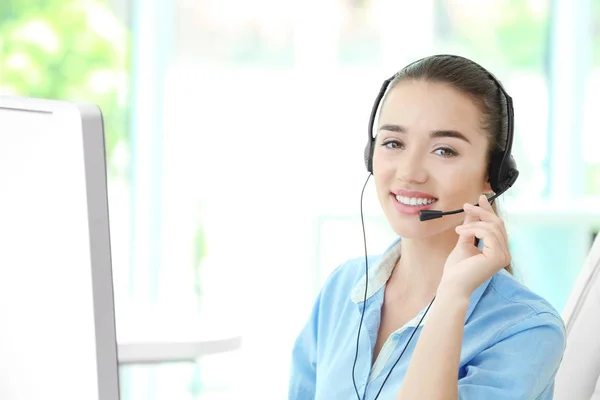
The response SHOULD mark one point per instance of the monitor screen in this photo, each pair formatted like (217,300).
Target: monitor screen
(56,304)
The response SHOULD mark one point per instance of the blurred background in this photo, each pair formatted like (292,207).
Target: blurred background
(235,132)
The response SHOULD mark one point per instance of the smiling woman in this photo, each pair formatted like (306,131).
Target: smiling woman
(444,124)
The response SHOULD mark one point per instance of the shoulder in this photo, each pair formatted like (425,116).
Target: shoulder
(508,293)
(515,334)
(507,308)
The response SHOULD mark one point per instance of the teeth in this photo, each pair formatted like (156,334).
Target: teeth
(414,201)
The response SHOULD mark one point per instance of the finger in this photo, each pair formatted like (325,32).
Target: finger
(487,216)
(481,230)
(500,221)
(487,226)
(469,218)
(493,248)
(485,203)
(481,212)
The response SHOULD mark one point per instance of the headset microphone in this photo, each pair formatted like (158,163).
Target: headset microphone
(426,215)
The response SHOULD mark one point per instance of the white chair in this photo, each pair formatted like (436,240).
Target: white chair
(578,377)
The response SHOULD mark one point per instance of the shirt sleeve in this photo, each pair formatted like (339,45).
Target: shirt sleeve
(303,372)
(521,364)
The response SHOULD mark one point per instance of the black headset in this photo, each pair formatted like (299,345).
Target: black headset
(502,168)
(502,172)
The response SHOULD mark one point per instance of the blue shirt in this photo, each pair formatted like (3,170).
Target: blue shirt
(512,346)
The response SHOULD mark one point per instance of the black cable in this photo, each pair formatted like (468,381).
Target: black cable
(366,286)
(405,347)
(362,220)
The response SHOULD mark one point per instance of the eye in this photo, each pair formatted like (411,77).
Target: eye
(445,152)
(392,144)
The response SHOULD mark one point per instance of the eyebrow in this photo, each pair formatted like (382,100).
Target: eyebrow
(432,134)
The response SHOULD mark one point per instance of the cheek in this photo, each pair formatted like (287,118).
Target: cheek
(383,169)
(462,181)
(382,182)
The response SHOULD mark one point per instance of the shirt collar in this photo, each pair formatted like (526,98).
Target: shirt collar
(380,272)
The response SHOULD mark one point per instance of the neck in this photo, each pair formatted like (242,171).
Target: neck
(420,267)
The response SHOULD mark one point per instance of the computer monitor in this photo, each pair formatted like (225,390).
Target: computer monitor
(57,319)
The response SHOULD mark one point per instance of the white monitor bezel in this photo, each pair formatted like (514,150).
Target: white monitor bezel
(89,120)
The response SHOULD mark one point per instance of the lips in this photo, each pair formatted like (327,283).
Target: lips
(410,202)
(413,193)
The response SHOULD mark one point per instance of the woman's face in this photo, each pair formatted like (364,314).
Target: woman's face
(430,153)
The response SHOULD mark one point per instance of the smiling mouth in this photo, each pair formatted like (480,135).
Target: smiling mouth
(415,201)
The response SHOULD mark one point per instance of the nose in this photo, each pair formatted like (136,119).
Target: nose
(411,168)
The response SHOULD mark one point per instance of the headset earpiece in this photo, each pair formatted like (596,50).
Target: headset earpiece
(503,174)
(369,149)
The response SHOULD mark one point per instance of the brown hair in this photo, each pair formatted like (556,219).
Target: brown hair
(473,80)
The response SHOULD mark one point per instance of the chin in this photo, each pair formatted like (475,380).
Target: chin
(411,227)
(415,229)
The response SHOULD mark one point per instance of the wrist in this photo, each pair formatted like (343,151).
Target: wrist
(452,292)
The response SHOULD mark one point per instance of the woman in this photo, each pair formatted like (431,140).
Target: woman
(484,335)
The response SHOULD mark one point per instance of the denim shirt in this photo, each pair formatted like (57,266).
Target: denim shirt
(512,345)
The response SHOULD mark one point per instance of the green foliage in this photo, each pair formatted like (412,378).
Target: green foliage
(509,32)
(68,50)
(522,35)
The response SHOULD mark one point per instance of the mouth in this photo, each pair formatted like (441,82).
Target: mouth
(415,201)
(411,205)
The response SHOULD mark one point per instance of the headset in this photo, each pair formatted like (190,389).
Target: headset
(502,172)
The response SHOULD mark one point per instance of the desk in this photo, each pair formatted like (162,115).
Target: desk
(157,351)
